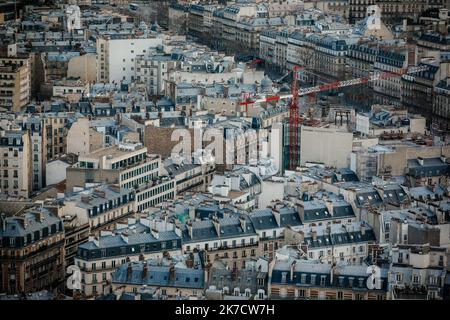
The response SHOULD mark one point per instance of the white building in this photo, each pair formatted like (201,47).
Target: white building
(328,146)
(116,56)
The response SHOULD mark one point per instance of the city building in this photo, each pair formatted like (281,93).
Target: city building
(15,162)
(100,257)
(32,251)
(298,279)
(117,54)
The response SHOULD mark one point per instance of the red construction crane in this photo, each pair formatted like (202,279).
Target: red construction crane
(296,92)
(294,119)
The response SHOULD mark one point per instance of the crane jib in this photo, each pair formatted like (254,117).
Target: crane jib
(340,84)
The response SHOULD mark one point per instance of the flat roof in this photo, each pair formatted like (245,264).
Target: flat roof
(113,151)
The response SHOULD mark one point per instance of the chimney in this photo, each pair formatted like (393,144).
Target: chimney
(144,271)
(216,223)
(301,210)
(314,235)
(443,158)
(3,221)
(206,270)
(243,222)
(329,204)
(129,270)
(333,267)
(192,213)
(363,229)
(292,270)
(190,261)
(124,237)
(172,273)
(189,226)
(277,216)
(95,240)
(155,233)
(420,160)
(40,216)
(178,230)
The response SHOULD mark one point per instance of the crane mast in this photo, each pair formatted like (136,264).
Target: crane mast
(294,152)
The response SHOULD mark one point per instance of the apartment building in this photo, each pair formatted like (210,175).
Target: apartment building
(418,272)
(417,90)
(167,281)
(56,127)
(270,231)
(104,206)
(15,163)
(129,166)
(428,171)
(38,156)
(300,279)
(153,71)
(102,255)
(441,104)
(72,90)
(191,177)
(117,53)
(347,242)
(156,191)
(126,164)
(16,82)
(83,138)
(229,239)
(178,17)
(15,87)
(31,251)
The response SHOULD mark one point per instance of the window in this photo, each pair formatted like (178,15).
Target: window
(303,278)
(301,293)
(261,294)
(322,281)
